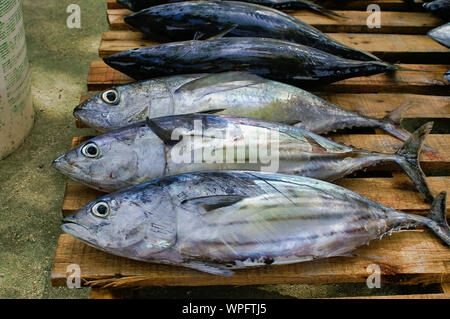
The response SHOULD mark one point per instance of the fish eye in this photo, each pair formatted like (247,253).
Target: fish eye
(101,209)
(110,96)
(90,150)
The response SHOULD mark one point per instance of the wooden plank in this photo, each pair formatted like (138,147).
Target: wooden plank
(407,257)
(446,287)
(380,143)
(102,77)
(356,21)
(395,192)
(385,5)
(98,293)
(378,105)
(389,47)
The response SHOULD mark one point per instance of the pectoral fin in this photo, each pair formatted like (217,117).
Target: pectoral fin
(164,134)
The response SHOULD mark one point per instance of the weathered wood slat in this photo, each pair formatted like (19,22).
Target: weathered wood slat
(102,77)
(355,21)
(389,47)
(386,5)
(408,257)
(446,287)
(98,293)
(395,192)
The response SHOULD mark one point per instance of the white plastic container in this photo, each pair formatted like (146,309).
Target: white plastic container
(16,107)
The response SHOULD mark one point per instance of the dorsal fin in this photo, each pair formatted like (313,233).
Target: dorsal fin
(217,82)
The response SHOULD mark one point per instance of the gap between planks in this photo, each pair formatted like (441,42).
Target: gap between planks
(355,21)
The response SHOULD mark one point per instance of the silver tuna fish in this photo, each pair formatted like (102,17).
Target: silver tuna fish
(219,221)
(234,93)
(166,146)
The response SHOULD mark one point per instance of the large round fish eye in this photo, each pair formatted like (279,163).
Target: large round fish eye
(110,96)
(90,150)
(101,209)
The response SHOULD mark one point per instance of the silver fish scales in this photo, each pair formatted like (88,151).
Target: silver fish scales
(216,222)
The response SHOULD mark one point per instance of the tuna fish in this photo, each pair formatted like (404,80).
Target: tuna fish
(199,142)
(233,93)
(216,222)
(272,58)
(203,19)
(138,5)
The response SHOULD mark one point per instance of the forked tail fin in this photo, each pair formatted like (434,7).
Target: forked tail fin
(408,158)
(391,124)
(438,214)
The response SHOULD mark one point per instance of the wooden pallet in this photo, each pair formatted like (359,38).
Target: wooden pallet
(408,257)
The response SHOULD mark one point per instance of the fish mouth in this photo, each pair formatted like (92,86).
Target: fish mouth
(71,169)
(89,117)
(78,112)
(63,165)
(71,227)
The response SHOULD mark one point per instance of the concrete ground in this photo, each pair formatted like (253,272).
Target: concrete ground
(31,192)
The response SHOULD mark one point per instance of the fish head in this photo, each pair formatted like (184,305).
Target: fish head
(174,21)
(135,222)
(117,107)
(117,159)
(151,61)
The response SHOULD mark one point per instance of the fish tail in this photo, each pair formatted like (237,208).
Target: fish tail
(438,216)
(407,157)
(391,124)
